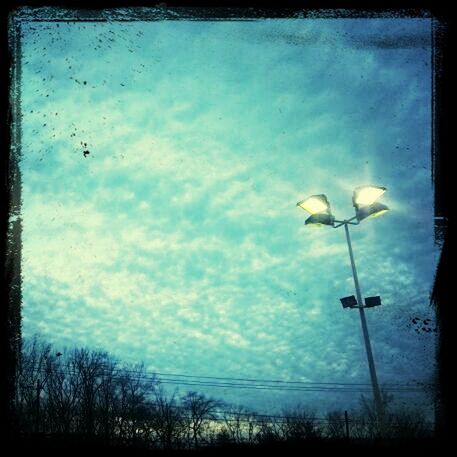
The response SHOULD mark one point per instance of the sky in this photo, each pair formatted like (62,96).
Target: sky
(161,163)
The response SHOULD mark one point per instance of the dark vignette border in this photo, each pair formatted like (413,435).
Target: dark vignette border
(442,35)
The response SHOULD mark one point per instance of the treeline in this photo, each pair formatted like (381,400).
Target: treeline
(90,394)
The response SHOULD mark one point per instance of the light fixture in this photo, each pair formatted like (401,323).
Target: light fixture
(349,302)
(315,204)
(364,200)
(320,219)
(370,302)
(366,195)
(319,208)
(374,210)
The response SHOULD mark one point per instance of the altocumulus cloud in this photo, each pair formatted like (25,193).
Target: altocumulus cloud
(176,240)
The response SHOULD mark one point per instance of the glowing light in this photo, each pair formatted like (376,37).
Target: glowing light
(379,213)
(374,210)
(315,204)
(367,195)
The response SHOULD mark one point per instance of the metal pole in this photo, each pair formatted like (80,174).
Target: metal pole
(346,421)
(37,418)
(366,336)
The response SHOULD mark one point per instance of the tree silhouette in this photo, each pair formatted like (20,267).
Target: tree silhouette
(198,410)
(89,394)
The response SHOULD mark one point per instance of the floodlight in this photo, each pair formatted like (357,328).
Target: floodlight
(366,205)
(320,219)
(370,302)
(374,210)
(349,302)
(315,204)
(366,195)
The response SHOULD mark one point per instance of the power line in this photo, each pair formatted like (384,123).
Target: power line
(258,380)
(250,386)
(312,388)
(249,416)
(309,388)
(253,416)
(194,378)
(282,388)
(264,380)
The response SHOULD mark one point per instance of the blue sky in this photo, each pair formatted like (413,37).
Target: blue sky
(177,240)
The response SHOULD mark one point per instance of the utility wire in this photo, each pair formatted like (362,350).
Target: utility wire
(265,380)
(311,388)
(254,416)
(195,378)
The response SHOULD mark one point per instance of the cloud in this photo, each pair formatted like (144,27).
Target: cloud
(177,239)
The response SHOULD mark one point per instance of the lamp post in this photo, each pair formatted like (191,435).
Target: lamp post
(364,200)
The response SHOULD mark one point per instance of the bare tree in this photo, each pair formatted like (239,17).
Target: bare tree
(368,423)
(133,412)
(167,420)
(31,377)
(106,400)
(240,424)
(267,430)
(62,394)
(299,424)
(336,425)
(407,424)
(199,409)
(81,391)
(223,436)
(88,368)
(89,392)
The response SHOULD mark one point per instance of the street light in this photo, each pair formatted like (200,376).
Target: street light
(319,208)
(315,204)
(364,200)
(365,204)
(366,195)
